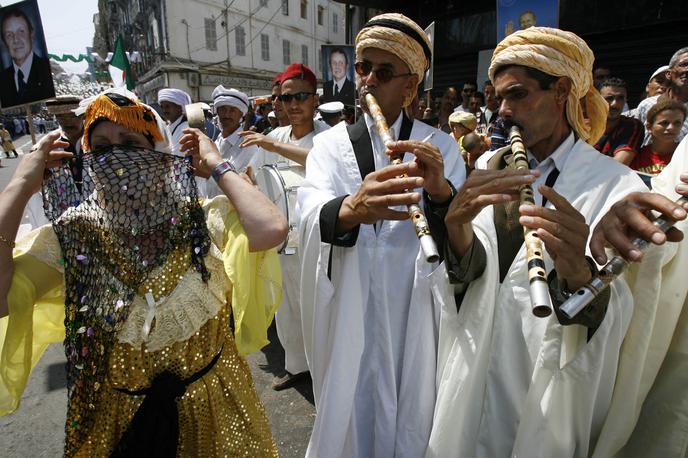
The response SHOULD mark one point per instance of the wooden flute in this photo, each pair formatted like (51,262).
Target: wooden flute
(540,299)
(615,267)
(427,243)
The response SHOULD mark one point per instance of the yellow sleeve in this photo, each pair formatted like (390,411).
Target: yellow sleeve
(36,313)
(256,278)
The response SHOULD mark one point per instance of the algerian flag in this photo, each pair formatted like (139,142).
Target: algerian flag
(120,72)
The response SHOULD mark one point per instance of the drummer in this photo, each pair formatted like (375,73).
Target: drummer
(288,146)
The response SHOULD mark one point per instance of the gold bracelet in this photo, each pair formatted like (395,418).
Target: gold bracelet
(7,242)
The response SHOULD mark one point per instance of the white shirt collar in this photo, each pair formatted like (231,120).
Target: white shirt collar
(25,68)
(381,159)
(558,157)
(232,138)
(340,83)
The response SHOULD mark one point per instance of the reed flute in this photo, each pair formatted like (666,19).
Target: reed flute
(420,223)
(540,300)
(615,267)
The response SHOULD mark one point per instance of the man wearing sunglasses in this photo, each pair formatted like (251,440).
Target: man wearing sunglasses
(289,146)
(368,307)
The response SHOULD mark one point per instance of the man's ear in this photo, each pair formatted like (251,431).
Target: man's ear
(562,89)
(411,85)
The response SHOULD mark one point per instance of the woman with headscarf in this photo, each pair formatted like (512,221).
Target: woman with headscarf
(156,293)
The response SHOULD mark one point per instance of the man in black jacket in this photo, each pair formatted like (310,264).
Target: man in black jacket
(340,88)
(28,79)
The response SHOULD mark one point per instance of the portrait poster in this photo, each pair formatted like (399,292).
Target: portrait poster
(428,80)
(339,83)
(25,76)
(513,15)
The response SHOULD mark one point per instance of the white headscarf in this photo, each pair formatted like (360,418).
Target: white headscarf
(230,97)
(176,96)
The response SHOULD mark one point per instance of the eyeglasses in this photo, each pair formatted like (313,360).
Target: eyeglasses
(273,97)
(383,75)
(299,97)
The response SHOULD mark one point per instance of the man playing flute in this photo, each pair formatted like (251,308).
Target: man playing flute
(369,309)
(649,411)
(510,383)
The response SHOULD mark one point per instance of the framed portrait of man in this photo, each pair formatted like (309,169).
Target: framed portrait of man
(513,15)
(338,74)
(25,76)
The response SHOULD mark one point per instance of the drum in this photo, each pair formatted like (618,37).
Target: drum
(279,182)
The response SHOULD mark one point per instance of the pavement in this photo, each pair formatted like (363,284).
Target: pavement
(36,429)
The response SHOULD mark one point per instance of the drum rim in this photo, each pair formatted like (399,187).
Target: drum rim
(274,171)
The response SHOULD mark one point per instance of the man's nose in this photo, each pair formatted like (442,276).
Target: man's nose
(505,110)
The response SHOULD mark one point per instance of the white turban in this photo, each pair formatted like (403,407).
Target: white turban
(230,97)
(176,96)
(399,35)
(558,53)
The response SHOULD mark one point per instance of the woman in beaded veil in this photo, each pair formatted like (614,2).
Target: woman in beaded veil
(156,294)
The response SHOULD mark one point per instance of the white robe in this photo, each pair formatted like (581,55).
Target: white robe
(649,412)
(288,316)
(371,330)
(176,133)
(230,150)
(512,384)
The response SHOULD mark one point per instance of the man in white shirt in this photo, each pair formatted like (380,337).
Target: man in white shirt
(172,103)
(288,147)
(231,106)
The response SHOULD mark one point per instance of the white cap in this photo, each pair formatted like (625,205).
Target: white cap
(331,107)
(662,69)
(230,97)
(176,96)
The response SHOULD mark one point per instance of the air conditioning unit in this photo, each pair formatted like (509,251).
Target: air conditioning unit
(193,79)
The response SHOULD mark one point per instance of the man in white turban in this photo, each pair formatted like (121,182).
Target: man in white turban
(172,106)
(511,383)
(369,298)
(231,105)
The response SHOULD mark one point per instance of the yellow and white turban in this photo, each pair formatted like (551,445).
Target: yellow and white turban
(558,53)
(400,36)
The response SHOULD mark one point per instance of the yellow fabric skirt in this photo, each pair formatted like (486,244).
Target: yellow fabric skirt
(219,414)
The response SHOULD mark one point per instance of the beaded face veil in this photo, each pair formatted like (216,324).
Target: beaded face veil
(138,208)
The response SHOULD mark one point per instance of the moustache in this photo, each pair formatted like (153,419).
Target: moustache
(508,124)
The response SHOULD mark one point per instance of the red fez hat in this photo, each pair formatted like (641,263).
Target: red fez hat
(299,72)
(277,80)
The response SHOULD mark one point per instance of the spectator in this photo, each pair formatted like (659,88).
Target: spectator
(477,101)
(466,94)
(449,100)
(658,83)
(664,121)
(600,74)
(623,136)
(677,77)
(462,123)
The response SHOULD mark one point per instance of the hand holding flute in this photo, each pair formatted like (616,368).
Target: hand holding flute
(629,229)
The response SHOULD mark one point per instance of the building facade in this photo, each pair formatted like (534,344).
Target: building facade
(194,45)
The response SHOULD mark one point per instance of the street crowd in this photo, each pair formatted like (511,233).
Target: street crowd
(159,243)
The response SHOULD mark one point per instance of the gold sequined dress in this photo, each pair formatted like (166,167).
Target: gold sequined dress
(219,414)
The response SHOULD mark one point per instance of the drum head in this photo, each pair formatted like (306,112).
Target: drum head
(280,185)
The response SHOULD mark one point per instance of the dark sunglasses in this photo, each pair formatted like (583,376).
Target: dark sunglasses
(273,97)
(383,75)
(299,97)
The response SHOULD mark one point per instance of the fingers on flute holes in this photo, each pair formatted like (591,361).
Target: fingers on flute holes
(674,235)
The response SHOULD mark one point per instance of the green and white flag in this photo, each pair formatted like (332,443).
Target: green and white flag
(120,72)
